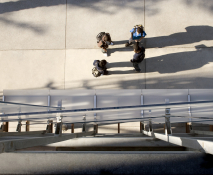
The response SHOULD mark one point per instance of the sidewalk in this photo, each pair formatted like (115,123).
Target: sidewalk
(51,44)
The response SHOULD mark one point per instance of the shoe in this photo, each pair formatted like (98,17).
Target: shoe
(105,54)
(127,44)
(106,72)
(137,71)
(111,43)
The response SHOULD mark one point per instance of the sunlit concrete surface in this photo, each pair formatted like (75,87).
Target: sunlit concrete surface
(182,23)
(179,68)
(78,74)
(31,69)
(32,24)
(179,43)
(51,44)
(86,18)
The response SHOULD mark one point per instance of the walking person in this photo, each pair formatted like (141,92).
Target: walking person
(137,34)
(103,40)
(100,68)
(138,57)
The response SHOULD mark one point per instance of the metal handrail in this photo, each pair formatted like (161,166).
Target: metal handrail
(107,108)
(30,105)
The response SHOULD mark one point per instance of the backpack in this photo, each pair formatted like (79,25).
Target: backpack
(142,56)
(99,36)
(95,72)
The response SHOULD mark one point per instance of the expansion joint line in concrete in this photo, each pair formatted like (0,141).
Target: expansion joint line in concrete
(66,27)
(65,44)
(98,48)
(144,13)
(145,39)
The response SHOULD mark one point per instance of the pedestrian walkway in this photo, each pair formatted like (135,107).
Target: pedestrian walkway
(51,44)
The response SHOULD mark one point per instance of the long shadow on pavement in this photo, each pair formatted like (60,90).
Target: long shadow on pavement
(193,34)
(182,61)
(120,64)
(123,48)
(170,63)
(113,50)
(13,6)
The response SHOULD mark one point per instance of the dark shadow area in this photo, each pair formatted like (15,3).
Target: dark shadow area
(23,25)
(124,49)
(120,163)
(193,34)
(181,82)
(206,5)
(207,161)
(123,72)
(50,85)
(123,64)
(11,6)
(93,5)
(120,42)
(119,64)
(182,61)
(170,63)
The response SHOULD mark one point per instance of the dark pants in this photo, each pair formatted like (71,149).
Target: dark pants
(136,66)
(103,51)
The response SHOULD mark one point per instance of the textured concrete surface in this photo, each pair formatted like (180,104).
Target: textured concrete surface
(113,142)
(178,32)
(31,69)
(32,24)
(183,23)
(51,44)
(106,163)
(78,74)
(179,68)
(86,18)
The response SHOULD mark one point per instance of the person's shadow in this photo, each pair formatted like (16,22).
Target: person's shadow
(193,34)
(123,48)
(123,65)
(174,62)
(119,64)
(113,50)
(169,63)
(182,61)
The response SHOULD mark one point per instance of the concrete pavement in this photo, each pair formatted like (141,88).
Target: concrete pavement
(51,44)
(110,162)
